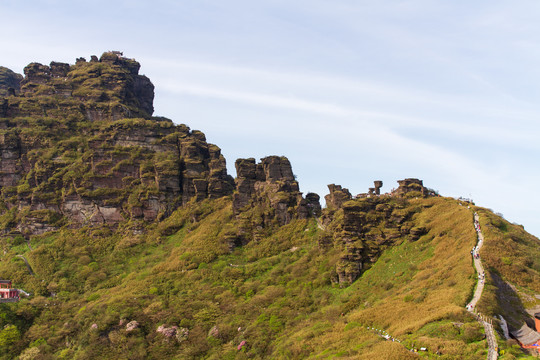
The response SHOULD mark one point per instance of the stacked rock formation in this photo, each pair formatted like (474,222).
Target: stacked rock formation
(337,196)
(267,194)
(106,89)
(271,184)
(369,225)
(410,185)
(79,146)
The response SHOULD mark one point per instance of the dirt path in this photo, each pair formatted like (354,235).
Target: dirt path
(488,327)
(27,264)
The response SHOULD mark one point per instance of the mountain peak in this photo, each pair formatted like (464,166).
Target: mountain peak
(108,88)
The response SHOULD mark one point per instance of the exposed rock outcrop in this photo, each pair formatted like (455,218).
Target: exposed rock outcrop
(132,325)
(376,189)
(68,156)
(173,332)
(10,82)
(168,332)
(267,194)
(378,185)
(271,182)
(314,204)
(367,226)
(337,196)
(107,89)
(410,185)
(140,170)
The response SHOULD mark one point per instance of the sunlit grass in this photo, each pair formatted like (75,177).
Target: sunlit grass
(277,290)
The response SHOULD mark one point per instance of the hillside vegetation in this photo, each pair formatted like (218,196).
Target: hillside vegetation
(276,294)
(141,245)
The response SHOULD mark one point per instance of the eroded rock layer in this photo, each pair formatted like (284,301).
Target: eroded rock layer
(106,89)
(363,227)
(267,194)
(78,147)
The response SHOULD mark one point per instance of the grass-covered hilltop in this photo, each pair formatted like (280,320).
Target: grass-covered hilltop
(131,241)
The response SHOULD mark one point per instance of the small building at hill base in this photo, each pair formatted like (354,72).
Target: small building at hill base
(7,293)
(527,337)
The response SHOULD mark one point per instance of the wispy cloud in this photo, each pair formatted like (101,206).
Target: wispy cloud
(349,100)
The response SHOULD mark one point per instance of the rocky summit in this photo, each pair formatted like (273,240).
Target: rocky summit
(124,237)
(79,146)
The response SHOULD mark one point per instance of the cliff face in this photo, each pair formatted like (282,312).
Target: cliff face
(267,194)
(363,227)
(73,152)
(10,82)
(79,147)
(138,169)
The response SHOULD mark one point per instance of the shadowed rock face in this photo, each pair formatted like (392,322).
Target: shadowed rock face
(10,82)
(313,203)
(78,146)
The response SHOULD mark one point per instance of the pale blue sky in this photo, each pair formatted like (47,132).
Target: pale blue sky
(350,91)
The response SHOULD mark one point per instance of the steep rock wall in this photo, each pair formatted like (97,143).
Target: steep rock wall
(78,147)
(267,194)
(137,170)
(363,227)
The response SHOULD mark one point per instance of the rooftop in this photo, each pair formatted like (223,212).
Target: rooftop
(526,335)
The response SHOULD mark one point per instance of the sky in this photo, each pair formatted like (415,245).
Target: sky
(351,91)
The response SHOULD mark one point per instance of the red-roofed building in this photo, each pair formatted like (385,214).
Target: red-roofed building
(527,337)
(7,293)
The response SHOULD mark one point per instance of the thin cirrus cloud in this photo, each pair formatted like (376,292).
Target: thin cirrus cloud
(393,130)
(265,88)
(350,118)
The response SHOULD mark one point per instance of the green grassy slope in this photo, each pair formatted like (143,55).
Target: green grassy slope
(276,294)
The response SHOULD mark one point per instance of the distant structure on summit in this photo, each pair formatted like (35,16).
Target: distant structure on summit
(376,190)
(372,191)
(405,186)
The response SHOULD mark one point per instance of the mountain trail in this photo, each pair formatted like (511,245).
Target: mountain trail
(27,264)
(485,321)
